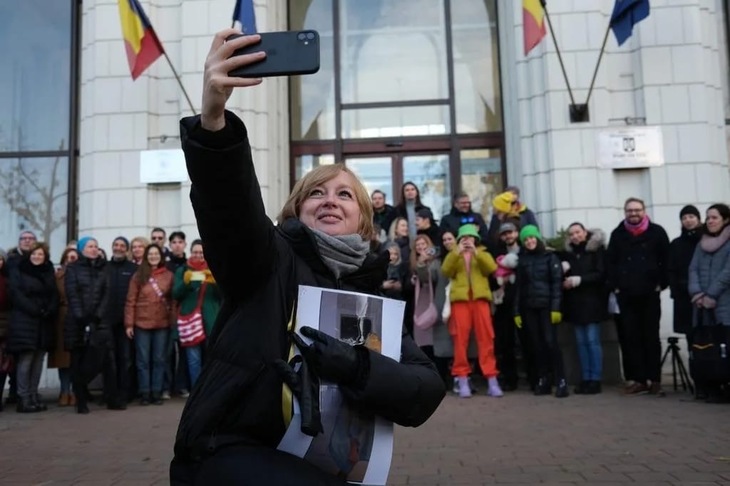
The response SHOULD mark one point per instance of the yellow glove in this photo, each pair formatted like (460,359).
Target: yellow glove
(518,322)
(187,276)
(556,317)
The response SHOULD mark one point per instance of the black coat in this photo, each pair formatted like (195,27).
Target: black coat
(385,218)
(637,265)
(539,281)
(681,250)
(456,219)
(35,304)
(86,293)
(118,275)
(239,393)
(587,303)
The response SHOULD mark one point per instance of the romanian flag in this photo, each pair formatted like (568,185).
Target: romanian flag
(143,46)
(533,23)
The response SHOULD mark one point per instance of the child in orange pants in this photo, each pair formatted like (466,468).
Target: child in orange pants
(469,265)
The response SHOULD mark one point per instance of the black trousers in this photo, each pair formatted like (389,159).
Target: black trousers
(123,368)
(442,365)
(505,344)
(80,373)
(640,316)
(544,339)
(244,465)
(623,343)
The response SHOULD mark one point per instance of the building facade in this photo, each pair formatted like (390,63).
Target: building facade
(438,92)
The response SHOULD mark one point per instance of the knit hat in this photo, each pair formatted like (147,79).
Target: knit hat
(505,227)
(123,240)
(83,242)
(530,231)
(468,230)
(503,202)
(690,209)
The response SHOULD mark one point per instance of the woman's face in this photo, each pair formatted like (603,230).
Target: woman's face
(394,254)
(38,257)
(137,250)
(71,257)
(530,243)
(401,229)
(332,207)
(410,192)
(196,253)
(576,234)
(154,257)
(91,250)
(421,247)
(448,240)
(714,221)
(690,221)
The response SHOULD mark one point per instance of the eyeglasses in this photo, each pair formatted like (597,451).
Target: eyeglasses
(632,211)
(26,238)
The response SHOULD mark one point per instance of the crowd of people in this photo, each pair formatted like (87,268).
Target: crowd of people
(139,319)
(477,293)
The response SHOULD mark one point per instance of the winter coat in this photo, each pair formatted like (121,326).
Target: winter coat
(145,309)
(638,265)
(482,266)
(385,217)
(187,295)
(239,394)
(587,303)
(709,273)
(60,358)
(35,305)
(539,281)
(456,219)
(118,274)
(86,290)
(681,251)
(175,263)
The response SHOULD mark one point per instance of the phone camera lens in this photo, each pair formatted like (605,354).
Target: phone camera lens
(310,36)
(301,37)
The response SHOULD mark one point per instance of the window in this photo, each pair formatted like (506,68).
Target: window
(36,127)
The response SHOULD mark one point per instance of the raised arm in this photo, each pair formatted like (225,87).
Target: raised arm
(225,192)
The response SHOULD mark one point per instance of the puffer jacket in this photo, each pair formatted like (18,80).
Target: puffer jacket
(145,309)
(238,397)
(86,292)
(539,281)
(35,305)
(709,273)
(482,266)
(118,274)
(587,303)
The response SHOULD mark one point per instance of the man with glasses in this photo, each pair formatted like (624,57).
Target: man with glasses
(157,237)
(637,268)
(462,214)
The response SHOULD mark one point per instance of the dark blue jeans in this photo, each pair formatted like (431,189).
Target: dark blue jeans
(588,339)
(151,359)
(195,362)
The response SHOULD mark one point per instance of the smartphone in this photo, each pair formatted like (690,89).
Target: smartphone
(287,53)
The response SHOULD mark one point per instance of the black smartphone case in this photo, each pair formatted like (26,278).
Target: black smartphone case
(287,53)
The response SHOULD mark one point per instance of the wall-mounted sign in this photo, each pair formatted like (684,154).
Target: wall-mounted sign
(630,148)
(162,166)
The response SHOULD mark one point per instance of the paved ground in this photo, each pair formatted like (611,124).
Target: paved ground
(520,439)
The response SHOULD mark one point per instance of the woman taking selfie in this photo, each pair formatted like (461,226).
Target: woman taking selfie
(234,419)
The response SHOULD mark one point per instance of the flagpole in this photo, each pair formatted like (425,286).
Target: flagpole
(600,56)
(557,50)
(179,81)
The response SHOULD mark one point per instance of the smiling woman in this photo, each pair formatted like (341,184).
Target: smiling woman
(234,420)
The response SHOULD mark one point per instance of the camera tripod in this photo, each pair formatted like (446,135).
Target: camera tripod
(677,366)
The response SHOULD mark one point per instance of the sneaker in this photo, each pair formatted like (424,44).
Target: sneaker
(494,389)
(166,395)
(455,388)
(656,389)
(464,388)
(184,394)
(636,388)
(561,390)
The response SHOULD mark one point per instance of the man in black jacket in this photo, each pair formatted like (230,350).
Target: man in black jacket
(462,214)
(176,373)
(383,214)
(637,260)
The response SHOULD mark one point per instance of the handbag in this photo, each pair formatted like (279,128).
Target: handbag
(429,317)
(709,356)
(190,326)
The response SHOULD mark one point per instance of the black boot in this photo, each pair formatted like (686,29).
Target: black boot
(561,390)
(594,388)
(157,399)
(582,388)
(38,403)
(81,403)
(25,405)
(543,387)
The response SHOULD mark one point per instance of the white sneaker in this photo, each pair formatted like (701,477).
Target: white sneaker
(166,395)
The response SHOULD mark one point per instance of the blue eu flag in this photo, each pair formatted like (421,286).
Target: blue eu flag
(245,16)
(627,13)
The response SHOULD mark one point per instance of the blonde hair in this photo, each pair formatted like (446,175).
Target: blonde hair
(137,239)
(414,256)
(394,227)
(318,176)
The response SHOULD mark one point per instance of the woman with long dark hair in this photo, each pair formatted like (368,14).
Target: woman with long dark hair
(410,203)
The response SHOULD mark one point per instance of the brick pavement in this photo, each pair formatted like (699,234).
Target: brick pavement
(520,439)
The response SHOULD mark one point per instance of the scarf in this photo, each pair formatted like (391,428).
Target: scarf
(343,255)
(411,218)
(712,243)
(637,229)
(197,265)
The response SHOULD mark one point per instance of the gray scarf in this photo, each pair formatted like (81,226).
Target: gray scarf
(343,255)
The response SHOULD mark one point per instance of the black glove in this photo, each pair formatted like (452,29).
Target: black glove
(44,313)
(305,387)
(331,359)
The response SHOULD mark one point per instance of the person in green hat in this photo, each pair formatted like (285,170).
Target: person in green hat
(537,308)
(469,266)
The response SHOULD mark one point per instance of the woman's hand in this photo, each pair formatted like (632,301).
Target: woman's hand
(217,85)
(465,246)
(130,332)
